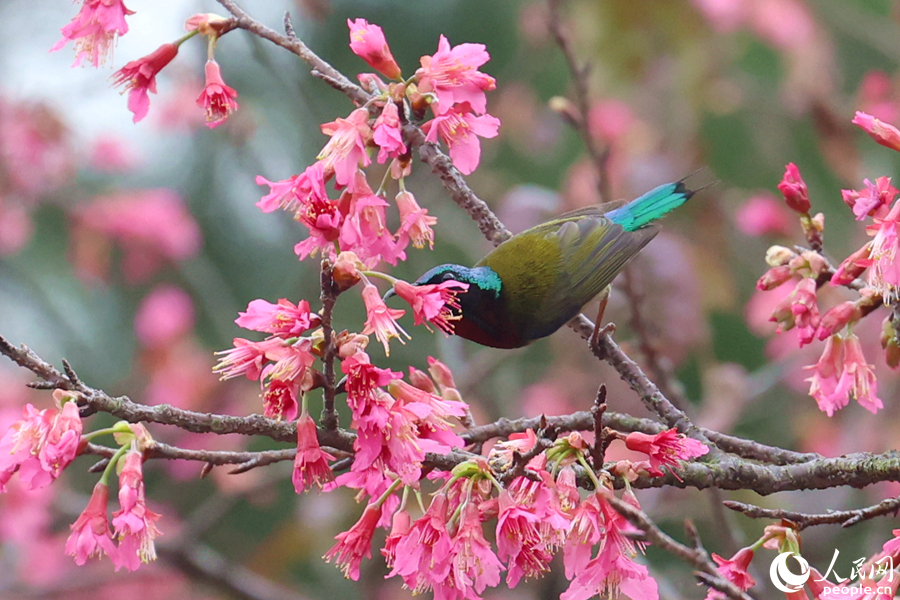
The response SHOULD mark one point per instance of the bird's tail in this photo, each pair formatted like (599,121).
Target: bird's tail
(659,201)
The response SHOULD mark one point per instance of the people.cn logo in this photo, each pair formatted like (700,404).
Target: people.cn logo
(783,578)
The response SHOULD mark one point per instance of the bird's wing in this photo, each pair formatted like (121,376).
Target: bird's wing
(553,269)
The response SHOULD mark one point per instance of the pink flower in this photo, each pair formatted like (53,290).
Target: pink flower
(474,566)
(874,201)
(436,303)
(367,41)
(284,319)
(355,543)
(296,192)
(414,221)
(827,387)
(667,448)
(363,378)
(40,445)
(885,273)
(165,315)
(734,570)
(422,558)
(217,99)
(291,361)
(381,320)
(134,522)
(387,133)
(311,463)
(612,571)
(883,133)
(862,384)
(364,230)
(453,75)
(805,310)
(280,400)
(460,130)
(60,446)
(400,524)
(762,215)
(324,219)
(139,77)
(346,150)
(793,188)
(94,30)
(91,535)
(246,358)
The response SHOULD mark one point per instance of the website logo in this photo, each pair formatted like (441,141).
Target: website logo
(783,578)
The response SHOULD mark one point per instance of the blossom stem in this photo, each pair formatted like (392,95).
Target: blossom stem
(114,459)
(590,472)
(383,185)
(380,275)
(387,492)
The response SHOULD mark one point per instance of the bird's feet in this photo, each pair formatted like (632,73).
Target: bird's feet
(599,332)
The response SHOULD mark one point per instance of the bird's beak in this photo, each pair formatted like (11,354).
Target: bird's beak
(388,294)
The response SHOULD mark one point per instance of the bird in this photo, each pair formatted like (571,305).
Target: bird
(533,283)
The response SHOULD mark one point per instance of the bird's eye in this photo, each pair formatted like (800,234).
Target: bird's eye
(448,275)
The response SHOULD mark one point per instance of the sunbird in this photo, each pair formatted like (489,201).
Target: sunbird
(533,283)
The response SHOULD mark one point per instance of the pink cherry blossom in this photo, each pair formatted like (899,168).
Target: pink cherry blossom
(363,378)
(165,315)
(873,201)
(827,387)
(435,303)
(355,543)
(400,524)
(837,318)
(346,150)
(666,449)
(139,77)
(460,130)
(387,133)
(863,386)
(134,522)
(453,75)
(311,463)
(415,221)
(474,566)
(246,358)
(885,134)
(381,320)
(91,535)
(217,99)
(793,188)
(422,557)
(280,399)
(285,319)
(364,230)
(734,570)
(94,30)
(367,41)
(805,310)
(60,445)
(884,275)
(294,193)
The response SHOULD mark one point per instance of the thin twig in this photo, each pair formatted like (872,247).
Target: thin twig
(846,518)
(328,297)
(599,156)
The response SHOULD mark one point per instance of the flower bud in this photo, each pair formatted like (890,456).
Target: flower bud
(793,188)
(808,264)
(346,270)
(421,380)
(774,277)
(852,266)
(777,256)
(837,318)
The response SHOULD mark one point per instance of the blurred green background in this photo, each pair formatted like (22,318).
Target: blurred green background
(740,88)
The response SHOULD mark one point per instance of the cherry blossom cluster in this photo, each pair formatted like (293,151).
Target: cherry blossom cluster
(537,512)
(40,445)
(94,31)
(872,273)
